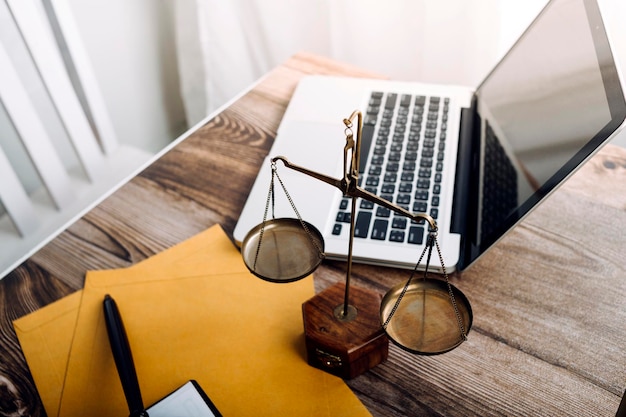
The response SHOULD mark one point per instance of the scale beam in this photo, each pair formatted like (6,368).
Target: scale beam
(348,186)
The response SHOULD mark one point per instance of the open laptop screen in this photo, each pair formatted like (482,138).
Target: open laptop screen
(547,106)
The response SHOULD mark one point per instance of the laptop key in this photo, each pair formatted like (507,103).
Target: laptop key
(396,236)
(346,217)
(399,223)
(366,204)
(393,167)
(362,223)
(367,135)
(421,194)
(395,156)
(423,183)
(409,166)
(388,187)
(407,176)
(390,177)
(416,235)
(375,170)
(379,230)
(372,181)
(411,156)
(420,207)
(403,199)
(380,150)
(426,162)
(383,212)
(428,153)
(376,160)
(405,187)
(372,110)
(396,147)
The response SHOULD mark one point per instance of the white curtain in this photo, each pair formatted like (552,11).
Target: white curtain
(223,46)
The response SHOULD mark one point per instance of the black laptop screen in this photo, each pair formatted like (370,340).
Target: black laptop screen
(552,100)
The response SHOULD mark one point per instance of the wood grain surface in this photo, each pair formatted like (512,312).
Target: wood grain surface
(549,332)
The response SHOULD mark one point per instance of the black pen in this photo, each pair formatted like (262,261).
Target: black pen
(123,358)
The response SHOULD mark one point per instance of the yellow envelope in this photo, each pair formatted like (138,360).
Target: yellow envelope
(198,315)
(46,335)
(46,339)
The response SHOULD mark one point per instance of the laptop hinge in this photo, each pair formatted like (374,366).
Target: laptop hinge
(464,205)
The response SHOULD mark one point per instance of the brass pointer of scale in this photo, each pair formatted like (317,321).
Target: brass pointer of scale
(434,316)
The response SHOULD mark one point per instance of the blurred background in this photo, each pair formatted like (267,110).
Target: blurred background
(164,66)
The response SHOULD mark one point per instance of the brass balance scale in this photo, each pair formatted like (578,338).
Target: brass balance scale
(424,316)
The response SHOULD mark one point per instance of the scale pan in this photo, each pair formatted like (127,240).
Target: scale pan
(286,252)
(425,322)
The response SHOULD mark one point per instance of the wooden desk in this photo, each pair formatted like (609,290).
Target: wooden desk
(549,333)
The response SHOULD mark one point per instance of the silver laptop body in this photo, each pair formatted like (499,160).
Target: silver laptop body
(478,160)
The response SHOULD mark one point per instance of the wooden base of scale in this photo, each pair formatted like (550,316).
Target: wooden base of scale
(344,346)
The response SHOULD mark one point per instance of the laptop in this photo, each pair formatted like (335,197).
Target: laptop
(476,160)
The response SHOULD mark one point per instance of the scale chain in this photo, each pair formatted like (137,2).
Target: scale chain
(432,239)
(406,287)
(452,299)
(293,206)
(270,197)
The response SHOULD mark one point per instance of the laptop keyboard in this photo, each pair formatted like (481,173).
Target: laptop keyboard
(499,184)
(402,154)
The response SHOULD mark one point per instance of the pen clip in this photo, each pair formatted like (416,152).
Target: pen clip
(123,357)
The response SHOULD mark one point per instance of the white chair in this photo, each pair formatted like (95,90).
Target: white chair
(58,150)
